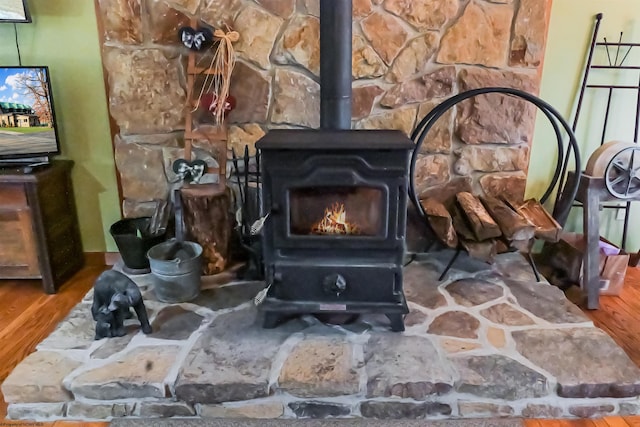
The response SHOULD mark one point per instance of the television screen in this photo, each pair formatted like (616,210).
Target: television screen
(27,118)
(14,11)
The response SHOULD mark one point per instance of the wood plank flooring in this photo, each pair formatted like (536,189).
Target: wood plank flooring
(28,315)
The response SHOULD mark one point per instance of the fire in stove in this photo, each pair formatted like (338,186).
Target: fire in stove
(335,222)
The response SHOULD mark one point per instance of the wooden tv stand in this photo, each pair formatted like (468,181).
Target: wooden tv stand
(39,234)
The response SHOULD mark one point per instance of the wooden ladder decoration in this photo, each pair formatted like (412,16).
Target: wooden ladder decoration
(217,135)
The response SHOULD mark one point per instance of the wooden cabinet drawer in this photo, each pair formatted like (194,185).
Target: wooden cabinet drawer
(13,196)
(18,254)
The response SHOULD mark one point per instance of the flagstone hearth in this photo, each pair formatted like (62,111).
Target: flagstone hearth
(487,342)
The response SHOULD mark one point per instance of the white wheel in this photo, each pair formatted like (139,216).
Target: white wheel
(622,175)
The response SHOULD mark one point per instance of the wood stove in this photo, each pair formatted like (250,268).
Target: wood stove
(336,201)
(334,240)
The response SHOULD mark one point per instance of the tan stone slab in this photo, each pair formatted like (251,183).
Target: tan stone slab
(507,315)
(413,58)
(489,26)
(38,378)
(134,75)
(424,14)
(250,410)
(300,43)
(401,119)
(453,346)
(258,30)
(365,62)
(386,34)
(439,137)
(291,108)
(530,33)
(320,367)
(483,409)
(455,324)
(139,373)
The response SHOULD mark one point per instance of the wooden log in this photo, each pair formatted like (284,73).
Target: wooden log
(546,227)
(440,221)
(460,224)
(484,251)
(207,220)
(483,226)
(511,223)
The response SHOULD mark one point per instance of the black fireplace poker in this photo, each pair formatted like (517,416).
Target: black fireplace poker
(335,64)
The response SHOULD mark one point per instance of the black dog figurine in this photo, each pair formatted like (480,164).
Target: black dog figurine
(105,324)
(113,294)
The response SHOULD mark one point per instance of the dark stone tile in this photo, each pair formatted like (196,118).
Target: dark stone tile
(228,296)
(415,317)
(402,410)
(591,411)
(417,371)
(534,410)
(232,359)
(420,284)
(175,323)
(472,292)
(545,301)
(586,362)
(498,377)
(319,409)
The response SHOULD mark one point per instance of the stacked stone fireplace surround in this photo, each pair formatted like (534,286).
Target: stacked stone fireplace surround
(408,56)
(486,342)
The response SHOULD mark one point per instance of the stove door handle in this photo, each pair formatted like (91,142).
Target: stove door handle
(334,284)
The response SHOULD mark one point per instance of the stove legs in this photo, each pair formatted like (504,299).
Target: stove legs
(397,322)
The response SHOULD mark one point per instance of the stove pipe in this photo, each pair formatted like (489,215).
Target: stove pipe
(335,64)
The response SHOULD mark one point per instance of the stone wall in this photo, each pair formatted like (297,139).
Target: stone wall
(408,56)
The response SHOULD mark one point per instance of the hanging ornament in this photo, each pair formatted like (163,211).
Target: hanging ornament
(218,83)
(209,103)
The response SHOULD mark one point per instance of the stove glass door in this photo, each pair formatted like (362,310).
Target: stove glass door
(337,211)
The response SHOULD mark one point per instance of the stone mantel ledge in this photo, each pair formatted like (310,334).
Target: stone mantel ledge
(472,349)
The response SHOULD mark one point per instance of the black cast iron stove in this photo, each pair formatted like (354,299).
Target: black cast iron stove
(337,200)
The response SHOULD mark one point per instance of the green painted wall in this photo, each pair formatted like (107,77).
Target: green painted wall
(570,33)
(64,36)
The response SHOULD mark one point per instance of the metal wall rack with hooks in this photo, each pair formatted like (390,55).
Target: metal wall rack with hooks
(617,55)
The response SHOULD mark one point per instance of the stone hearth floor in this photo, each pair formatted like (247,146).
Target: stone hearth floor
(487,342)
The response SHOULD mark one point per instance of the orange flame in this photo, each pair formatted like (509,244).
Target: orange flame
(335,222)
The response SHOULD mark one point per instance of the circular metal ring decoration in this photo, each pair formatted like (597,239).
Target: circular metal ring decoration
(622,175)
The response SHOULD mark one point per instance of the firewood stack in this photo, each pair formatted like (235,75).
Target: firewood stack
(486,226)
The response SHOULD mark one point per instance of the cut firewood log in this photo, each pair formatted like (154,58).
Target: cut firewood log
(460,224)
(440,221)
(546,227)
(483,226)
(484,251)
(513,225)
(208,222)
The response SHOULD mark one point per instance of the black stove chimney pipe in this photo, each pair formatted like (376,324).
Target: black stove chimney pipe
(335,64)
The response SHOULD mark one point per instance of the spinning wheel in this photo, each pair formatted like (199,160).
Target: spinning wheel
(618,164)
(622,176)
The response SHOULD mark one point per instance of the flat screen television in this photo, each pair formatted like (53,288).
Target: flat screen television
(14,11)
(28,131)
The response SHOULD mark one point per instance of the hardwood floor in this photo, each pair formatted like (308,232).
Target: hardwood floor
(27,316)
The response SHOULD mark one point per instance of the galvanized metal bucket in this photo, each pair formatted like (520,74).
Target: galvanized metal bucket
(177,270)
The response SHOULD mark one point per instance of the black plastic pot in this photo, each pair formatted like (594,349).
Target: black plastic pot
(133,243)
